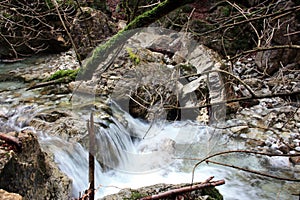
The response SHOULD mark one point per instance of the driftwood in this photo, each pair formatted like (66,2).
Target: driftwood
(11,140)
(186,189)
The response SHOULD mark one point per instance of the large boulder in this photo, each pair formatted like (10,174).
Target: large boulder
(90,27)
(27,170)
(270,61)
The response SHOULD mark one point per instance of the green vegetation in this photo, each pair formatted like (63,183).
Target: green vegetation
(212,192)
(135,195)
(133,57)
(64,74)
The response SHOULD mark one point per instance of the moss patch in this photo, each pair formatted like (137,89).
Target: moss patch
(68,74)
(133,57)
(213,193)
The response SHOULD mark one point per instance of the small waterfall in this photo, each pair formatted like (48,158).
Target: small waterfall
(138,154)
(72,159)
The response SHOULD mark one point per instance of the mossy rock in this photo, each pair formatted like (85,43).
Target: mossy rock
(213,193)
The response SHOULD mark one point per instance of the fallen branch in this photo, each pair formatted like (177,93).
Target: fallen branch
(254,171)
(258,49)
(184,190)
(240,151)
(68,33)
(237,100)
(281,13)
(12,140)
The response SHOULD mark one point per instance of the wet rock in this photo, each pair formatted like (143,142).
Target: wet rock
(64,126)
(4,195)
(41,68)
(30,172)
(202,194)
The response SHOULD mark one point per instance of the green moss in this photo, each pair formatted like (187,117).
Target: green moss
(64,74)
(212,192)
(135,195)
(133,57)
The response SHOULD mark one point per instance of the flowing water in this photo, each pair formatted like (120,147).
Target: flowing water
(166,154)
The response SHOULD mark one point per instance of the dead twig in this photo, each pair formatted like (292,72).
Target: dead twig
(68,33)
(185,189)
(237,100)
(238,151)
(253,171)
(264,49)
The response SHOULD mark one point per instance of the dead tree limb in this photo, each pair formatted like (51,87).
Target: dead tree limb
(281,13)
(237,100)
(237,151)
(253,171)
(257,49)
(68,33)
(184,190)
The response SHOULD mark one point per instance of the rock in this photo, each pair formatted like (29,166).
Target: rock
(297,149)
(4,195)
(271,61)
(284,149)
(202,194)
(295,160)
(97,24)
(239,129)
(30,172)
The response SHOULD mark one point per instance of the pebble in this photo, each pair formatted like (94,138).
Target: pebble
(238,129)
(292,152)
(278,125)
(296,141)
(297,149)
(238,63)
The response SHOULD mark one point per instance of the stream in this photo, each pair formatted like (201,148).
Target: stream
(160,152)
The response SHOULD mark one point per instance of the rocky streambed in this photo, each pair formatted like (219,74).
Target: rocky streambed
(270,125)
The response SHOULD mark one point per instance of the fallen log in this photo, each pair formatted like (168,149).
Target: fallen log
(184,190)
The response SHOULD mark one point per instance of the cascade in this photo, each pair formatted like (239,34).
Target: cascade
(158,158)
